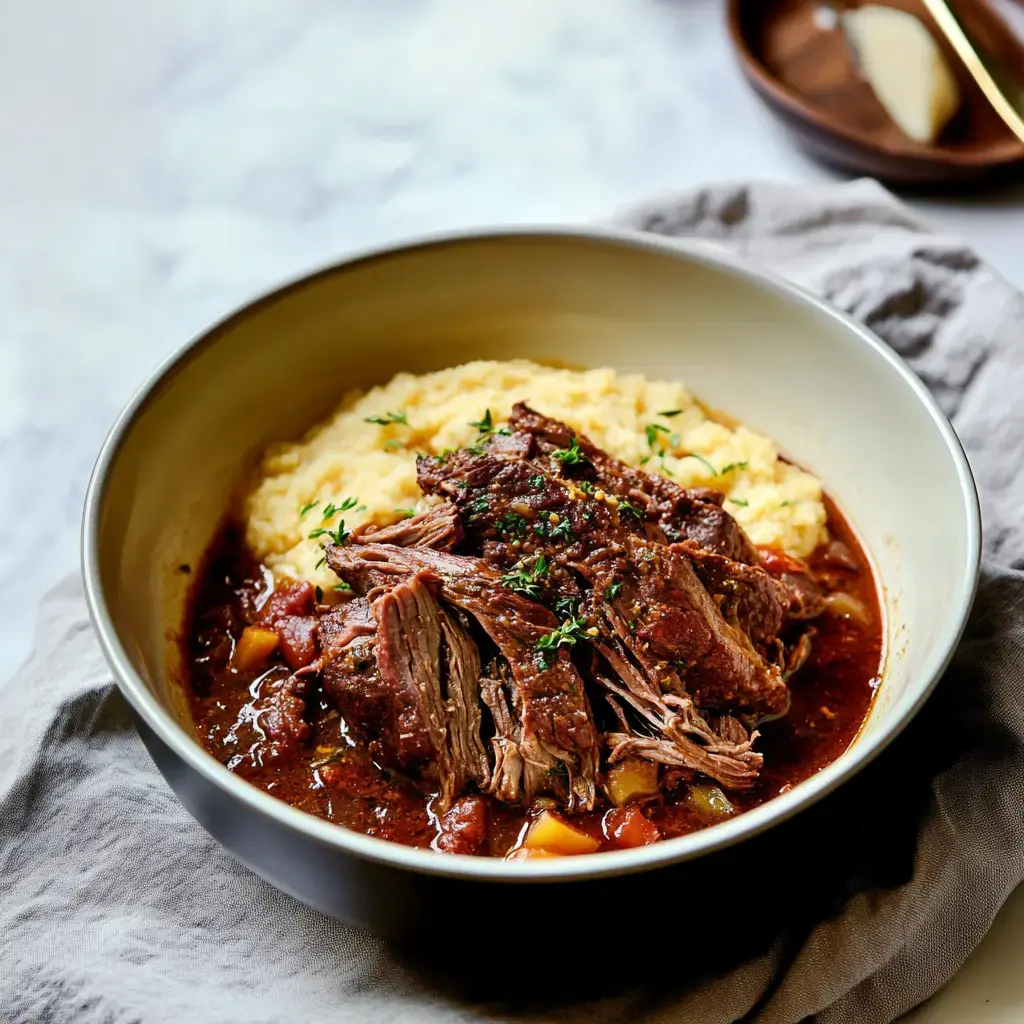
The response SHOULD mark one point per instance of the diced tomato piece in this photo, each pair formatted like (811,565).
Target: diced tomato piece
(297,636)
(627,827)
(288,599)
(776,562)
(463,828)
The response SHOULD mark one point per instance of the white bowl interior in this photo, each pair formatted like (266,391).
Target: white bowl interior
(788,367)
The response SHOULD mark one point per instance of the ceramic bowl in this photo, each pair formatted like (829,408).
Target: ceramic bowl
(759,349)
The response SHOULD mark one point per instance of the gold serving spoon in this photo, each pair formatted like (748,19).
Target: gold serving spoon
(1001,88)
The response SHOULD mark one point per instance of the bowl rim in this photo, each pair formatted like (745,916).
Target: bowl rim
(429,862)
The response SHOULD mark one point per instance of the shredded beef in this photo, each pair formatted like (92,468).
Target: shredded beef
(404,674)
(747,596)
(658,626)
(559,743)
(657,587)
(437,528)
(682,514)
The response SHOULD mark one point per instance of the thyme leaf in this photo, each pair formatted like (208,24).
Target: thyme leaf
(568,634)
(526,581)
(571,456)
(389,418)
(700,458)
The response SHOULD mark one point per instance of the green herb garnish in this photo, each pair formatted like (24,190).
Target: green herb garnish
(568,634)
(563,531)
(332,510)
(732,466)
(571,456)
(537,481)
(393,444)
(511,524)
(342,586)
(389,418)
(486,425)
(670,412)
(527,581)
(631,510)
(405,513)
(323,561)
(567,607)
(700,458)
(651,431)
(612,591)
(309,508)
(742,502)
(339,534)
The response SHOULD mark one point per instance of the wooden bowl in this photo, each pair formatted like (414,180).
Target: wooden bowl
(806,74)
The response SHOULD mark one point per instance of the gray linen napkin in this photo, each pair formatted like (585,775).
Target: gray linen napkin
(115,906)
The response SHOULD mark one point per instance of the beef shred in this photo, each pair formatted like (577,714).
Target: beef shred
(552,613)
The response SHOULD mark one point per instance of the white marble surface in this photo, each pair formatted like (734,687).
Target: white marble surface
(162,161)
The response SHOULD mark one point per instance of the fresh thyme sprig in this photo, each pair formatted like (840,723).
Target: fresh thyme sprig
(389,418)
(486,425)
(568,634)
(526,581)
(571,456)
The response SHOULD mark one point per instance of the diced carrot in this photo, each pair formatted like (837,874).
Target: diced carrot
(550,833)
(530,853)
(630,779)
(254,647)
(627,827)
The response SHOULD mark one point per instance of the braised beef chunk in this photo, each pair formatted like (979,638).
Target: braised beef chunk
(281,710)
(802,590)
(661,629)
(288,611)
(682,514)
(409,662)
(672,618)
(558,743)
(352,682)
(501,698)
(463,828)
(804,595)
(404,674)
(461,673)
(437,528)
(747,596)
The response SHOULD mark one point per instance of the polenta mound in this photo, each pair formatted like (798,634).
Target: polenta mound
(364,455)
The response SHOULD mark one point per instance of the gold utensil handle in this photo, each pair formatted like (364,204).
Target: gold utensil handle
(976,64)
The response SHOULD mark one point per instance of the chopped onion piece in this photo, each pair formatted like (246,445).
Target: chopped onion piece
(710,801)
(847,606)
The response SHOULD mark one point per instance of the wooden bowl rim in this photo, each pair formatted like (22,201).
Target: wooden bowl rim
(1009,151)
